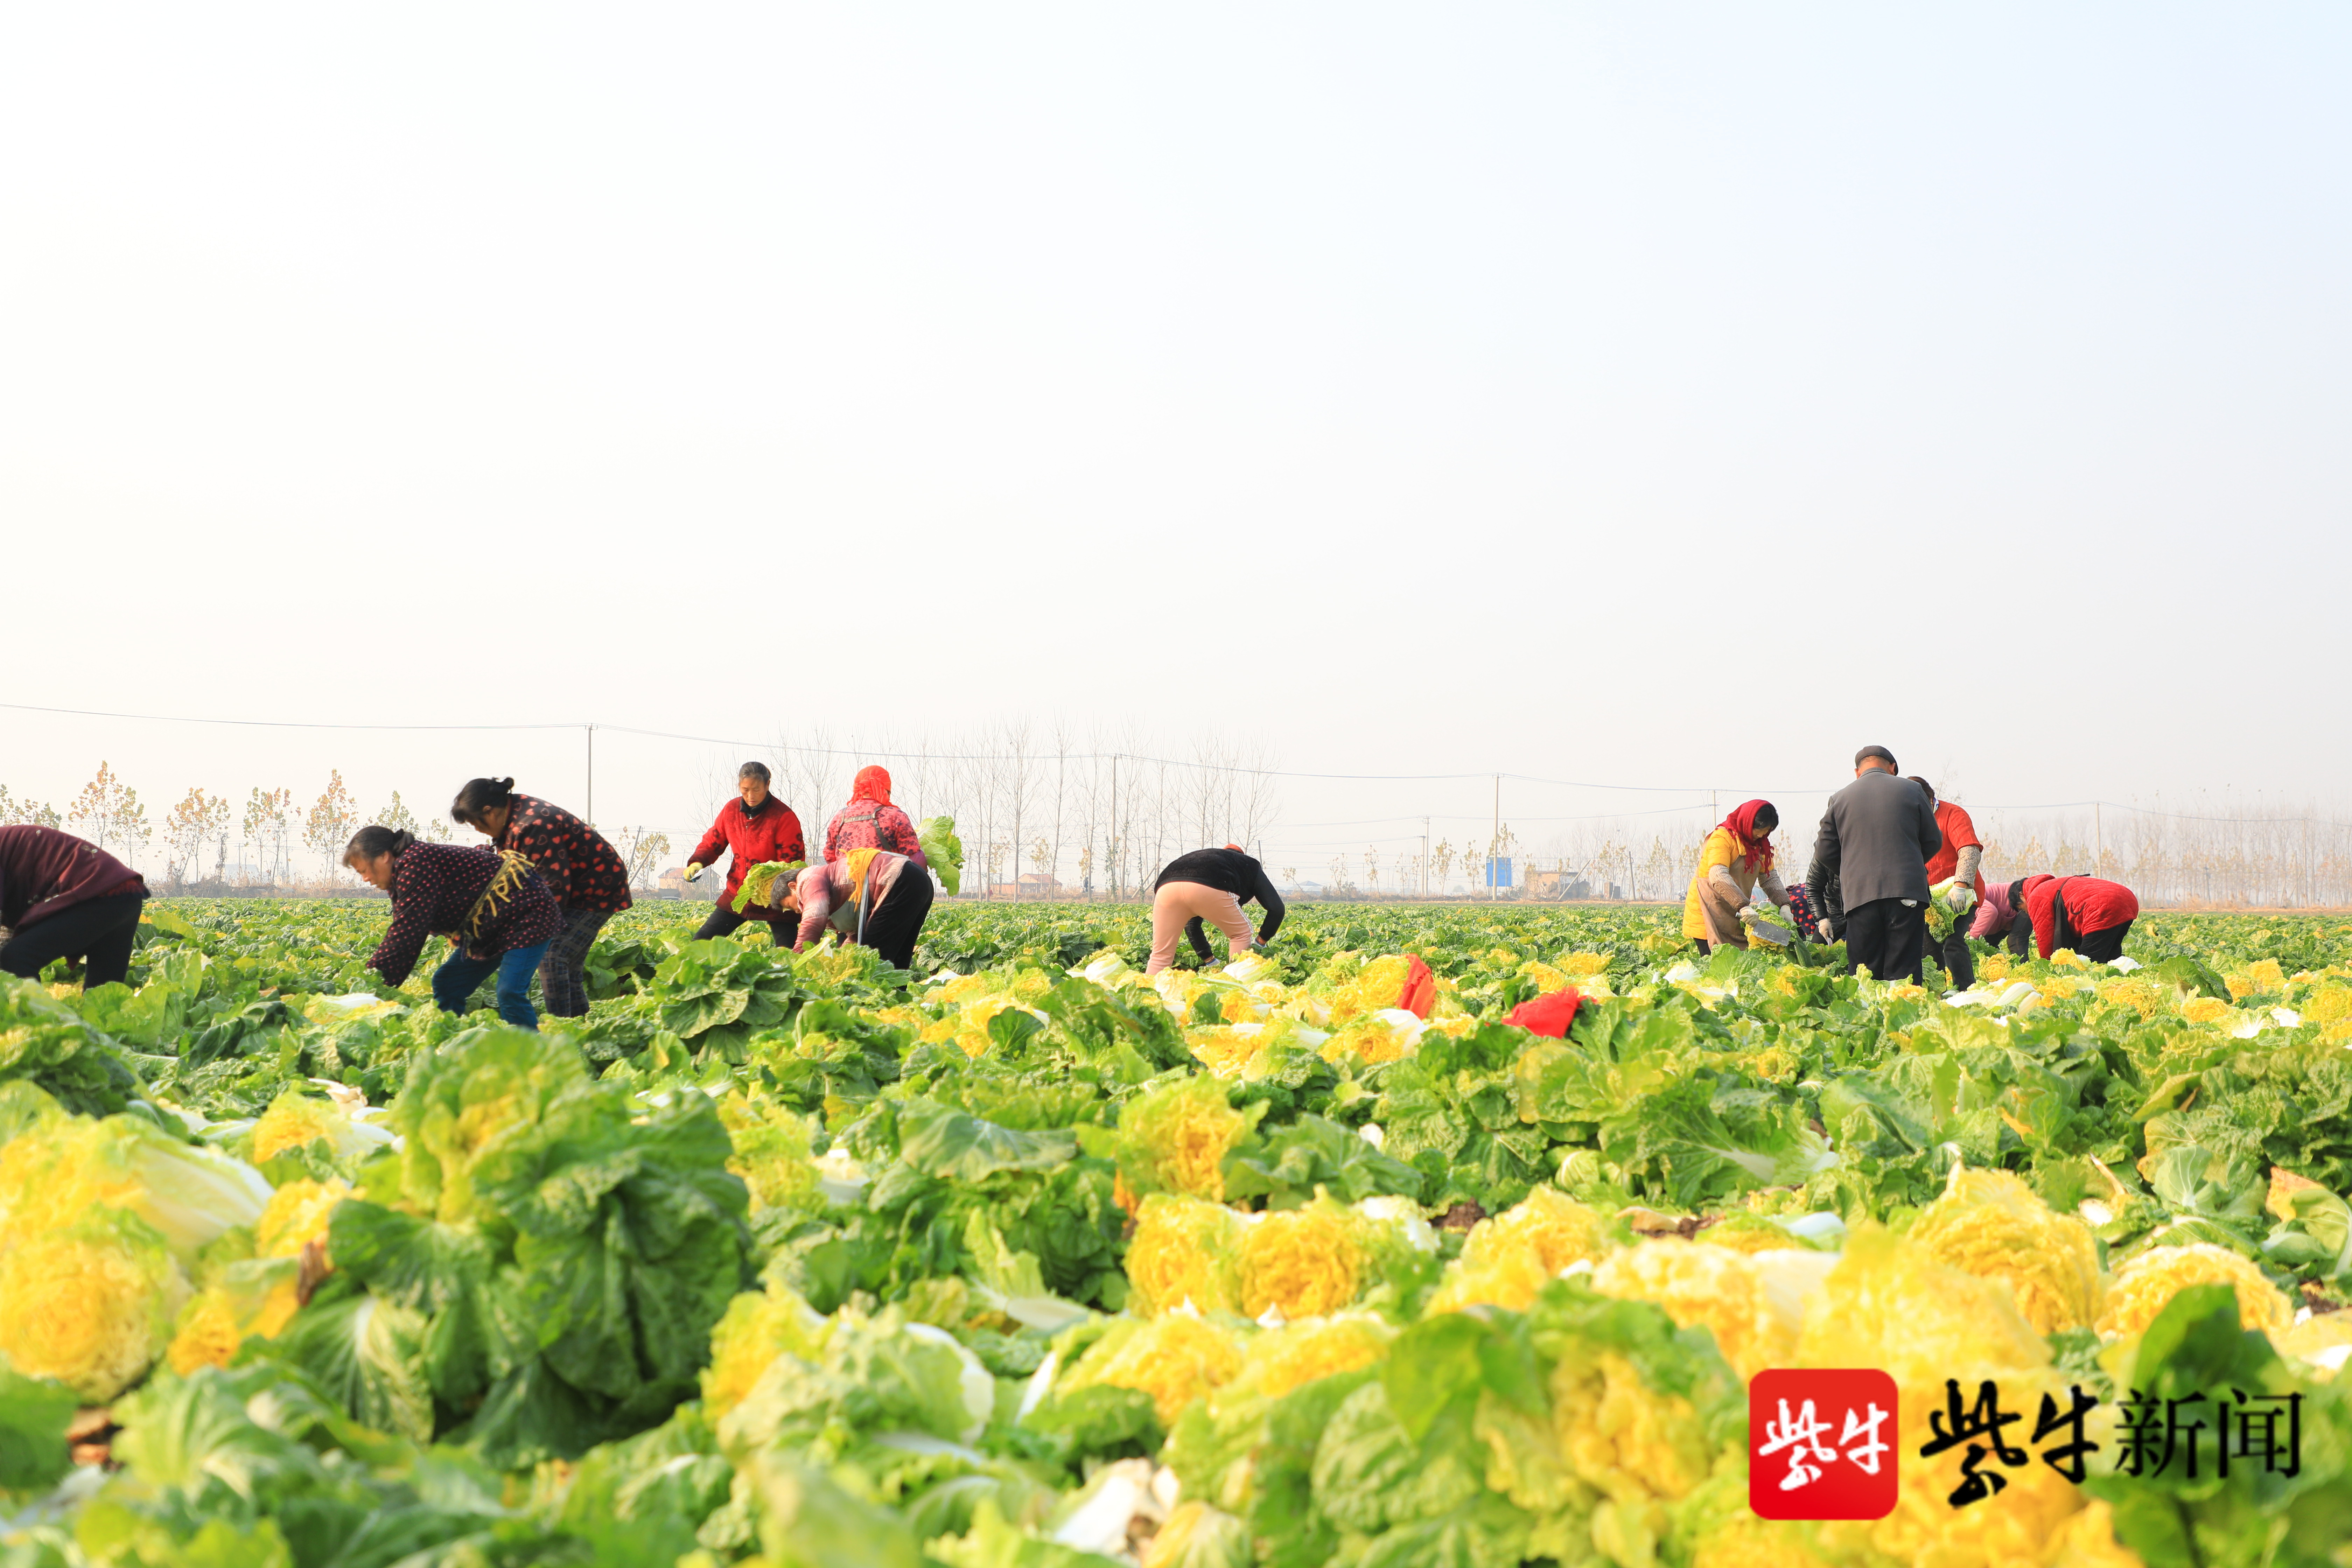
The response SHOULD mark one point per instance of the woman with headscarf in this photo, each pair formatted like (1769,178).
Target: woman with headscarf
(2089,915)
(870,821)
(1210,887)
(1734,862)
(497,914)
(582,870)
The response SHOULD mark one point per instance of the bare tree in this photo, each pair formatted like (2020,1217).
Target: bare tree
(27,813)
(110,814)
(184,832)
(396,815)
(329,823)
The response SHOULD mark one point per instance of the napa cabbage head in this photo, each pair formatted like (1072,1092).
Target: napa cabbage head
(60,1169)
(295,1120)
(1174,1137)
(943,850)
(488,1111)
(91,1306)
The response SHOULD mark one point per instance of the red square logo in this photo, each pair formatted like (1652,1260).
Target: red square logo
(1822,1444)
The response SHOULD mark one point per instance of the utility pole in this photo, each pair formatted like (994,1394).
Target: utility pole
(1114,828)
(1425,856)
(1496,842)
(2098,842)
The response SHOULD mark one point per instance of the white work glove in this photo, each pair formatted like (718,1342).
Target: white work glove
(693,870)
(1961,898)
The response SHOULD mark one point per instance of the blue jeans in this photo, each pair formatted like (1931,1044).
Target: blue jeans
(455,982)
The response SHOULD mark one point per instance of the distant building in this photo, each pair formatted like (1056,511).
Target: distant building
(1557,884)
(1034,884)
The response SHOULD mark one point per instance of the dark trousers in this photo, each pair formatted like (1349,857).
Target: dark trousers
(459,976)
(1886,938)
(1957,960)
(724,922)
(893,924)
(2102,946)
(99,931)
(563,973)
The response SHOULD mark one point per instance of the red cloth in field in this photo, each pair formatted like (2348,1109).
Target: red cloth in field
(42,871)
(1742,826)
(1549,1013)
(1420,992)
(1959,834)
(771,833)
(2093,903)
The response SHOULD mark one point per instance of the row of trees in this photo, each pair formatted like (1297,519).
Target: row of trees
(1097,813)
(265,832)
(2224,853)
(1046,811)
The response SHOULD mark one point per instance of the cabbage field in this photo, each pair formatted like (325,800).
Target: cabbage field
(1022,1261)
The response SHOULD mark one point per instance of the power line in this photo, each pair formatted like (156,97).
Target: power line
(272,723)
(1138,757)
(883,750)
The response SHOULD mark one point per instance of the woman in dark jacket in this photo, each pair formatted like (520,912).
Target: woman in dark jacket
(582,870)
(62,896)
(497,914)
(1210,885)
(757,829)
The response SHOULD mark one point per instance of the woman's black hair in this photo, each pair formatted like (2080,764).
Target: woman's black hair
(2017,895)
(1768,817)
(377,840)
(753,771)
(479,795)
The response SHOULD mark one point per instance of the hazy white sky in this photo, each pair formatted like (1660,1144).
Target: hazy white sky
(1675,395)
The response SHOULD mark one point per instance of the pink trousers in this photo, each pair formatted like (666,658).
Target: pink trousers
(1179,902)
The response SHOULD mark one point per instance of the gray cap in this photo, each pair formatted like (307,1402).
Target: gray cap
(1881,753)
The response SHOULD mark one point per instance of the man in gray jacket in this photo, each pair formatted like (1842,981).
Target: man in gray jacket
(1876,841)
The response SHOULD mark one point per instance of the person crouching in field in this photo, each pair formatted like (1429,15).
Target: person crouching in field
(871,896)
(497,914)
(582,870)
(1997,918)
(1211,885)
(2089,915)
(1736,859)
(870,821)
(63,897)
(757,827)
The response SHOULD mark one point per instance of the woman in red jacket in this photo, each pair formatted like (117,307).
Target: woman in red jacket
(62,896)
(752,830)
(582,870)
(2088,914)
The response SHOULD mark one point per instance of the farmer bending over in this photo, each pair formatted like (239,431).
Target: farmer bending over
(1210,885)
